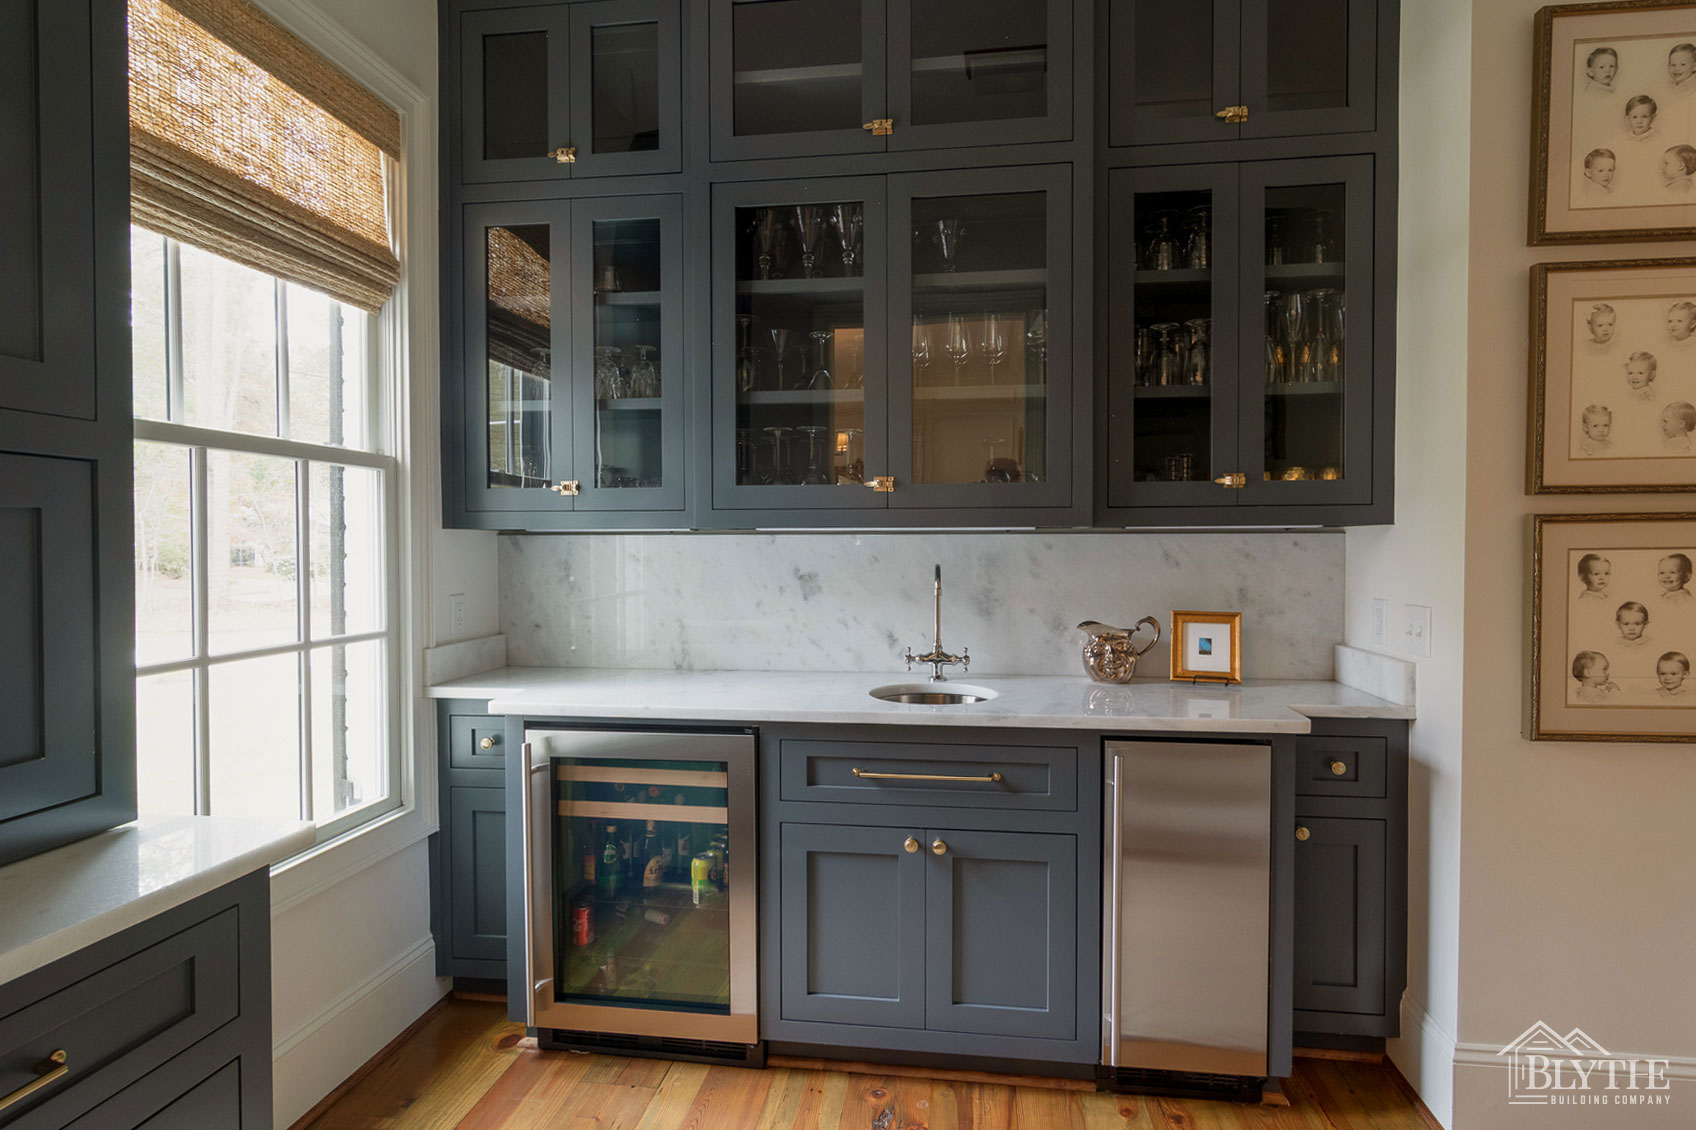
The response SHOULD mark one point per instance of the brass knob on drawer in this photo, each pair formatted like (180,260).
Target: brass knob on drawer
(486,743)
(937,847)
(1302,833)
(912,845)
(1338,768)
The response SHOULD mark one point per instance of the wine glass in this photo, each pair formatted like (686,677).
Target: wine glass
(921,351)
(815,474)
(1292,317)
(772,443)
(992,341)
(850,351)
(609,381)
(1198,225)
(848,221)
(1198,362)
(1272,359)
(1168,354)
(821,378)
(1036,339)
(1162,252)
(764,229)
(853,469)
(1274,240)
(644,377)
(1336,315)
(809,228)
(782,342)
(948,235)
(957,344)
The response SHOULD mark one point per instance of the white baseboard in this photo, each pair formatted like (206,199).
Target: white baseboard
(1680,1069)
(1425,1055)
(313,1059)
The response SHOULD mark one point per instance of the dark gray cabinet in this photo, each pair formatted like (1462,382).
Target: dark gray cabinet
(67,634)
(792,78)
(468,854)
(1297,67)
(968,408)
(571,410)
(549,92)
(1340,892)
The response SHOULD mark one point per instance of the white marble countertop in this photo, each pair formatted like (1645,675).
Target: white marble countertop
(1034,701)
(55,903)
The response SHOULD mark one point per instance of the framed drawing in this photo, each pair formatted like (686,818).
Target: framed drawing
(1613,134)
(1613,628)
(1613,377)
(1207,647)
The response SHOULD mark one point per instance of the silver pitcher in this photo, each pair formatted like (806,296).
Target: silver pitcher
(1110,654)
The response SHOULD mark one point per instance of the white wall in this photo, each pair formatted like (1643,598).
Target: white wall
(1579,860)
(1419,559)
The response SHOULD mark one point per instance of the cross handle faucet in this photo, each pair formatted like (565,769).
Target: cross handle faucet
(936,657)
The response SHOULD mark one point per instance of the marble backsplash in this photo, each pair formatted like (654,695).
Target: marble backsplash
(854,601)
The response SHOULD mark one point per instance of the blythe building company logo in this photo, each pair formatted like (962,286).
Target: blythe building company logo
(1549,1069)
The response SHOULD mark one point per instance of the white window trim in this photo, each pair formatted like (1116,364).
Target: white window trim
(407,344)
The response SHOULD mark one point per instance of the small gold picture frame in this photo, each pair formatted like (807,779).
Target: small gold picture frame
(1207,647)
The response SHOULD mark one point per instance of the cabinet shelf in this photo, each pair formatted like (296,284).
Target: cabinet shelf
(950,394)
(1311,388)
(1306,272)
(630,404)
(841,284)
(954,281)
(628,298)
(1182,277)
(1174,392)
(804,396)
(819,72)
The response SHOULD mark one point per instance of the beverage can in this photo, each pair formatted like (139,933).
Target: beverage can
(716,854)
(701,876)
(582,925)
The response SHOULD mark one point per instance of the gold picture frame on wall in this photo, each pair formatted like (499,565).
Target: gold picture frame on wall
(1613,628)
(1207,647)
(1613,132)
(1613,377)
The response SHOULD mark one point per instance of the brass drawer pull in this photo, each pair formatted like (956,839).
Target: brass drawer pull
(486,743)
(51,1070)
(1302,833)
(1338,768)
(868,775)
(938,847)
(912,845)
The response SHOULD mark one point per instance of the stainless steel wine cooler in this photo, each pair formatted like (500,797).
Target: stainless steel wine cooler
(639,884)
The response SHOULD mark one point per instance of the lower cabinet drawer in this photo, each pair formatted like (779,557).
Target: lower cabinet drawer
(212,1104)
(117,1025)
(1028,778)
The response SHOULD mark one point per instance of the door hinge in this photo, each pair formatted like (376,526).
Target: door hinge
(1233,115)
(883,484)
(1236,480)
(880,127)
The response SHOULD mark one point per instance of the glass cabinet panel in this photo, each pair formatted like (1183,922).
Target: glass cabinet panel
(979,72)
(1308,66)
(795,76)
(625,87)
(513,97)
(517,358)
(1176,68)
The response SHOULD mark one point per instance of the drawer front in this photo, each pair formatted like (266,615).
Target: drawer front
(1340,766)
(214,1102)
(476,741)
(122,1022)
(1032,778)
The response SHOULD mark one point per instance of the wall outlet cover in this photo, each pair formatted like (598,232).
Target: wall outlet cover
(1380,621)
(1416,632)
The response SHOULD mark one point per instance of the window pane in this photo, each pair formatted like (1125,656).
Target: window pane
(349,753)
(347,550)
(147,323)
(326,369)
(251,559)
(255,717)
(164,743)
(164,597)
(229,345)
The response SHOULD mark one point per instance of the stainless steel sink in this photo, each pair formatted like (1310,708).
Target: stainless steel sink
(932,694)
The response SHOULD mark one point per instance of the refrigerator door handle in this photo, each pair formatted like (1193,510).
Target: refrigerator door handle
(527,833)
(1110,910)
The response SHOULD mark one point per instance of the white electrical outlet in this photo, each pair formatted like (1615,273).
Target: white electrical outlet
(1416,631)
(456,615)
(1380,621)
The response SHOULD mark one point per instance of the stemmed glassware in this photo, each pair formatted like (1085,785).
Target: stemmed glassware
(853,469)
(775,469)
(1198,361)
(809,228)
(947,238)
(644,377)
(815,474)
(821,378)
(848,221)
(1323,249)
(1198,225)
(1292,311)
(782,342)
(1036,342)
(1274,353)
(1168,354)
(1274,240)
(992,341)
(609,379)
(765,230)
(1334,317)
(921,351)
(957,344)
(1161,251)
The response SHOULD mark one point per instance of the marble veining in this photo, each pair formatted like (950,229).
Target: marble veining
(1021,701)
(63,900)
(451,661)
(853,601)
(1377,674)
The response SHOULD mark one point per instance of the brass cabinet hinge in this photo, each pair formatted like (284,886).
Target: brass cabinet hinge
(880,127)
(1236,480)
(568,487)
(1233,115)
(565,154)
(883,484)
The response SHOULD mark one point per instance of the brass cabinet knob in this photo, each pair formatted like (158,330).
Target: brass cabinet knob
(1338,768)
(486,743)
(937,847)
(1302,833)
(912,845)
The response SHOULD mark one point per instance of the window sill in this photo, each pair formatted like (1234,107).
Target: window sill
(316,870)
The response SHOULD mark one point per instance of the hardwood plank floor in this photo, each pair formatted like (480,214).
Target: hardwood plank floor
(465,1068)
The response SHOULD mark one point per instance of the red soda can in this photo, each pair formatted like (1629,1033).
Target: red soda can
(582,925)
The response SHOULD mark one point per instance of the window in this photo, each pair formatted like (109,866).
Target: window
(266,546)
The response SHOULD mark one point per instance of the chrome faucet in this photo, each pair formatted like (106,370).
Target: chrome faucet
(937,658)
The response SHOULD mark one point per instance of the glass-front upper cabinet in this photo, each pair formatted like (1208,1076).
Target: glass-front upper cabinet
(1211,70)
(563,90)
(573,358)
(803,77)
(981,391)
(800,400)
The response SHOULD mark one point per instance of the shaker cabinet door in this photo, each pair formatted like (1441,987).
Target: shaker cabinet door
(515,94)
(477,870)
(1309,66)
(852,930)
(1340,915)
(626,88)
(1175,68)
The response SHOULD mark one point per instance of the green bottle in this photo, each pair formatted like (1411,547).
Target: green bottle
(607,875)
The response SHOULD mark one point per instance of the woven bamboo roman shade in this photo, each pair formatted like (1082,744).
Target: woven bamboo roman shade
(246,142)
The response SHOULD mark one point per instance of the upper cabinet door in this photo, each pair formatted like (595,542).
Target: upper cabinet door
(1175,70)
(517,358)
(795,78)
(979,350)
(1306,356)
(979,72)
(1309,66)
(627,305)
(625,87)
(47,276)
(515,94)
